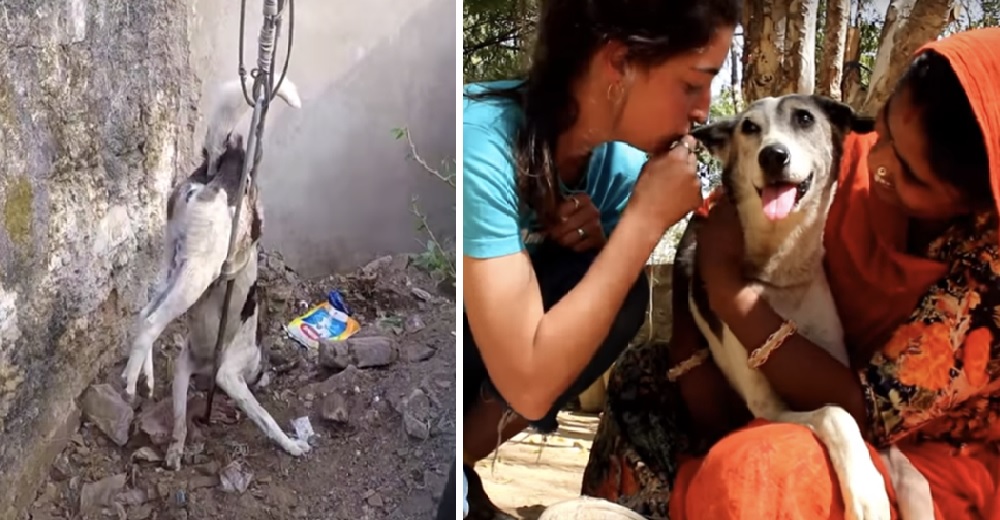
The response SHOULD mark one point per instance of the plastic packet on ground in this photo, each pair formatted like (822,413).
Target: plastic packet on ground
(329,321)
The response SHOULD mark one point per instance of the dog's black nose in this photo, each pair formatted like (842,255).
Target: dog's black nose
(773,159)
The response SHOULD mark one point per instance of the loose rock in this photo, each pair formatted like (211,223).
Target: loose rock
(364,352)
(414,324)
(416,415)
(95,495)
(102,406)
(374,351)
(418,353)
(334,408)
(334,354)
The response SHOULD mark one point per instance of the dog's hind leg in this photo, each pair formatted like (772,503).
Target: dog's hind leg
(231,380)
(182,376)
(240,358)
(201,218)
(861,484)
(185,288)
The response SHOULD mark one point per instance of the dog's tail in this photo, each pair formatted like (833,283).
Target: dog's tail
(227,109)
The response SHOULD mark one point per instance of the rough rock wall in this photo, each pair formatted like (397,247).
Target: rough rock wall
(97,104)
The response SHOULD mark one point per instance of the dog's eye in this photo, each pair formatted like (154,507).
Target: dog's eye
(803,118)
(749,127)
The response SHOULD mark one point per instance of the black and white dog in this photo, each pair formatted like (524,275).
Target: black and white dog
(200,215)
(781,159)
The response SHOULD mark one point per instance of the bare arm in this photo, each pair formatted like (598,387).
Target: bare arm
(826,381)
(715,407)
(533,356)
(935,361)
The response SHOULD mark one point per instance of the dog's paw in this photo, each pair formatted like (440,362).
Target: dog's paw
(172,460)
(867,499)
(298,447)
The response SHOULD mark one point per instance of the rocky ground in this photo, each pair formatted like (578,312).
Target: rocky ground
(382,407)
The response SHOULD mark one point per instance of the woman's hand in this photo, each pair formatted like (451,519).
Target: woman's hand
(720,255)
(668,187)
(579,226)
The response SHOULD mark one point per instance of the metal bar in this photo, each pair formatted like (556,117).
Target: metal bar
(263,93)
(227,266)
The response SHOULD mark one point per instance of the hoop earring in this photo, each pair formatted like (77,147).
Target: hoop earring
(616,91)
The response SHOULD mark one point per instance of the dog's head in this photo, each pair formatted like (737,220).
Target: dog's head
(782,151)
(230,163)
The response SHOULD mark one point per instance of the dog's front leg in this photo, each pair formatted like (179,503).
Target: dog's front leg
(230,380)
(182,376)
(861,484)
(913,492)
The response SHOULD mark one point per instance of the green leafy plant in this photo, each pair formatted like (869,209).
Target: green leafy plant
(437,256)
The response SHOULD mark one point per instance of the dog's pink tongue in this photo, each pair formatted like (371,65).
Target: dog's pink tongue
(778,200)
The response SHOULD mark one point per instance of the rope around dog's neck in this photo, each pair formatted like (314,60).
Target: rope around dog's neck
(264,90)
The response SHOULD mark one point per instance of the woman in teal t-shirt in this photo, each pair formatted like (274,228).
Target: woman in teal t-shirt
(561,208)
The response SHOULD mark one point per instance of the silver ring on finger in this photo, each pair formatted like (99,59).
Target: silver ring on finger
(581,233)
(682,142)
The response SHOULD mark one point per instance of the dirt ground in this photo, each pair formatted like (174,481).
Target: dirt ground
(532,472)
(384,434)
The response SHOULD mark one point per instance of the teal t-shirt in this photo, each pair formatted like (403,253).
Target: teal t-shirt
(493,223)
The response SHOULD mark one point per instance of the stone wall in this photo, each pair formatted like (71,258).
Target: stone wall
(97,112)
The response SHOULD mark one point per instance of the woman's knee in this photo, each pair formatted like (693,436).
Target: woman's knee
(764,471)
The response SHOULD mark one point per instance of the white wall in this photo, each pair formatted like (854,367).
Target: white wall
(336,184)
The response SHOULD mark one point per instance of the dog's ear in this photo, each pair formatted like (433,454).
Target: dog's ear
(716,136)
(844,116)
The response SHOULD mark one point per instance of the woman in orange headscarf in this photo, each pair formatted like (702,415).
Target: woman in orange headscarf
(912,258)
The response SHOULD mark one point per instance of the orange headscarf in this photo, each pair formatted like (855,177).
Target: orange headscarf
(877,285)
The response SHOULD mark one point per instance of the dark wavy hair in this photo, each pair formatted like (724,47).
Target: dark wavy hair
(956,147)
(569,32)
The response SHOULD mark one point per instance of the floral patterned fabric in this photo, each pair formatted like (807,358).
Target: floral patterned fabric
(938,375)
(938,378)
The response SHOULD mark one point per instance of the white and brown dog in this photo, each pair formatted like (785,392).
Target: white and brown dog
(780,159)
(200,215)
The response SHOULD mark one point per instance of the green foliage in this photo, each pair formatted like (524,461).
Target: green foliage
(437,256)
(496,38)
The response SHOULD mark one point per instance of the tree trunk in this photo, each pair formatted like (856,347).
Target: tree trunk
(751,42)
(779,16)
(800,48)
(908,25)
(831,68)
(852,91)
(763,60)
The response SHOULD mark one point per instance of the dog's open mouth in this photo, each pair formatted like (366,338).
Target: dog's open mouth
(779,199)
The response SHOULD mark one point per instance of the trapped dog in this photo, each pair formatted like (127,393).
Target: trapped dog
(781,158)
(200,214)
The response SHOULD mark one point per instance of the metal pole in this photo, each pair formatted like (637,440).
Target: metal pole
(262,92)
